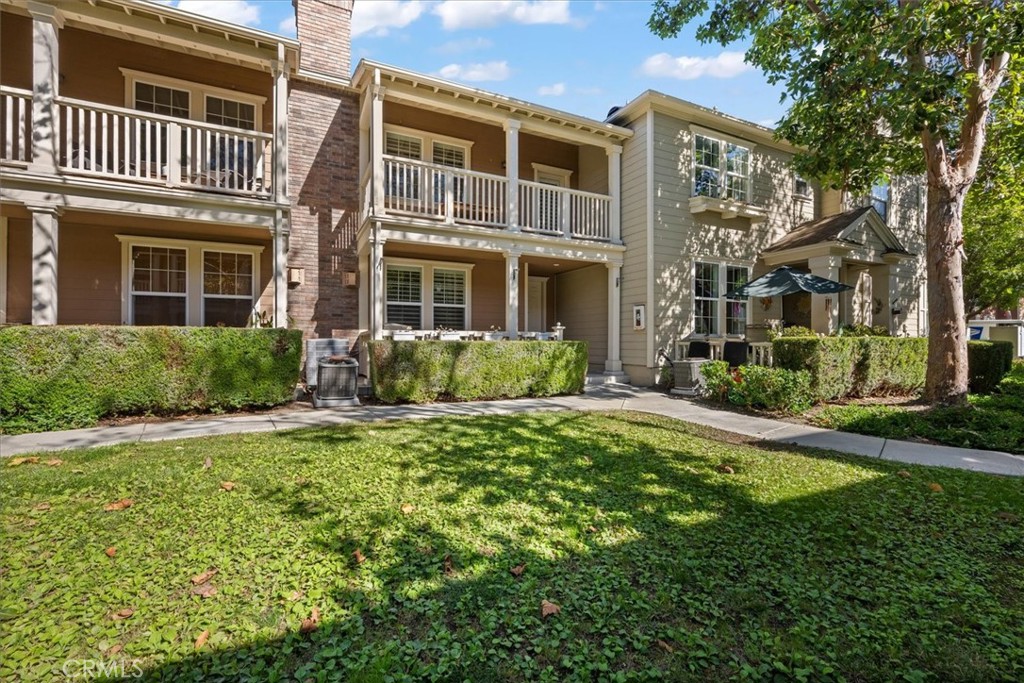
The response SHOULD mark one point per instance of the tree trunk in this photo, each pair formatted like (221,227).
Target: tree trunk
(946,380)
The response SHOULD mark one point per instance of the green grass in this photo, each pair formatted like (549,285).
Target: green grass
(798,566)
(994,421)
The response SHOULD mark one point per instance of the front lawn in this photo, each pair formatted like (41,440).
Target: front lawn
(551,547)
(994,421)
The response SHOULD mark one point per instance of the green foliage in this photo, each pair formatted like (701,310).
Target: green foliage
(71,376)
(422,372)
(755,386)
(861,330)
(800,565)
(793,331)
(856,366)
(988,362)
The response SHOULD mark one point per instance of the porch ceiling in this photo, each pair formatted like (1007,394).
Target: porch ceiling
(538,266)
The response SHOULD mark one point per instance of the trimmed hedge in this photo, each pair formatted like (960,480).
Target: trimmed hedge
(856,366)
(425,371)
(67,377)
(760,387)
(988,362)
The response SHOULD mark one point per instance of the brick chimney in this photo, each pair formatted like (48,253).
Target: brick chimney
(324,28)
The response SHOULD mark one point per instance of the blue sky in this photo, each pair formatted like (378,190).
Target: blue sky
(582,56)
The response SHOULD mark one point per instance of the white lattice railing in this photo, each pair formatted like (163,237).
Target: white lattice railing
(15,125)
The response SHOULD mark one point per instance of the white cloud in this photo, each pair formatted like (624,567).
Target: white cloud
(487,71)
(379,17)
(456,14)
(555,90)
(724,65)
(454,47)
(234,11)
(287,25)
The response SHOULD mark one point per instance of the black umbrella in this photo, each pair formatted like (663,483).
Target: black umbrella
(785,280)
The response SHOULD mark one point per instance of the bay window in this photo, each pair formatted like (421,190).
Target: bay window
(714,312)
(427,295)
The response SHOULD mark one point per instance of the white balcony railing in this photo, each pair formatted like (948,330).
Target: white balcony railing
(16,128)
(459,196)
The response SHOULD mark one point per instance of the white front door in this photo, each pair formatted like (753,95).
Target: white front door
(536,304)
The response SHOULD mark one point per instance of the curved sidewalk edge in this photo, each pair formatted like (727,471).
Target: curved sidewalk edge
(606,397)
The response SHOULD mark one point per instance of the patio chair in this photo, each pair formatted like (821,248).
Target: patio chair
(735,353)
(699,349)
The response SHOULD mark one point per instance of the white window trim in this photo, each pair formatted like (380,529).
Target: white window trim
(722,309)
(193,274)
(231,249)
(724,139)
(539,169)
(427,141)
(197,94)
(805,196)
(3,269)
(427,286)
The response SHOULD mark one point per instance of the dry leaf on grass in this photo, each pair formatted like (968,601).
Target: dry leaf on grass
(407,508)
(296,595)
(111,551)
(725,469)
(122,504)
(203,637)
(54,462)
(591,529)
(227,485)
(665,646)
(204,577)
(206,590)
(518,570)
(122,614)
(937,488)
(207,464)
(14,462)
(312,623)
(548,609)
(449,567)
(904,474)
(114,650)
(42,506)
(358,556)
(486,551)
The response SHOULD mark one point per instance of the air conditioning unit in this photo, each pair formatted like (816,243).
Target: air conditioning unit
(688,378)
(332,373)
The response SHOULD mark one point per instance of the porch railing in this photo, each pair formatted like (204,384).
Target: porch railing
(16,128)
(562,211)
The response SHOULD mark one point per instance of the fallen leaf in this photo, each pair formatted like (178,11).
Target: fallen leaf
(203,637)
(114,650)
(296,595)
(937,488)
(122,614)
(666,647)
(587,459)
(359,557)
(55,462)
(14,462)
(449,568)
(518,570)
(122,504)
(1008,517)
(42,506)
(904,474)
(207,464)
(407,508)
(111,551)
(486,551)
(77,471)
(204,577)
(725,469)
(206,590)
(591,529)
(548,609)
(227,485)
(309,625)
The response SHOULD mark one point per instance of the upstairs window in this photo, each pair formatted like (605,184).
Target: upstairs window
(224,112)
(159,99)
(404,146)
(721,168)
(880,199)
(801,188)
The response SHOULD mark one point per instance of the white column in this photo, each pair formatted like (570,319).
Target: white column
(45,240)
(615,191)
(512,171)
(363,259)
(377,143)
(825,307)
(512,293)
(894,302)
(279,70)
(46,21)
(614,364)
(376,286)
(280,272)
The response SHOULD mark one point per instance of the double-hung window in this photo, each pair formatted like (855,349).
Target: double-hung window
(158,285)
(721,168)
(413,181)
(705,298)
(427,295)
(403,180)
(449,298)
(453,156)
(714,312)
(880,199)
(735,308)
(404,289)
(227,288)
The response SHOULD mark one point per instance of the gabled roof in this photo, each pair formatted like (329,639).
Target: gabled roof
(838,228)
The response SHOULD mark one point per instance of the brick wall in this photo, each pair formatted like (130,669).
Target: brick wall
(324,28)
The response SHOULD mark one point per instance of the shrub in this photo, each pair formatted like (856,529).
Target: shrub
(71,376)
(987,363)
(861,330)
(891,365)
(795,331)
(759,387)
(425,371)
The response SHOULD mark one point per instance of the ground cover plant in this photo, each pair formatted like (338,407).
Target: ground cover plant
(550,546)
(991,421)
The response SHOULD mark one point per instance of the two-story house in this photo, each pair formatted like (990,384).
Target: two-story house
(710,201)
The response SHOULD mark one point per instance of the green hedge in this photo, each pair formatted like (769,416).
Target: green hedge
(856,366)
(760,387)
(66,377)
(425,371)
(988,362)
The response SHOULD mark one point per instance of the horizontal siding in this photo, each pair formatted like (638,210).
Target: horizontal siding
(581,301)
(634,235)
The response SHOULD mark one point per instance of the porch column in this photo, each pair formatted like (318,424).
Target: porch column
(376,286)
(279,69)
(512,172)
(377,142)
(894,303)
(363,259)
(615,190)
(512,293)
(280,273)
(614,365)
(825,307)
(46,21)
(45,239)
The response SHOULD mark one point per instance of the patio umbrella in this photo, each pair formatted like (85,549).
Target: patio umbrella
(785,280)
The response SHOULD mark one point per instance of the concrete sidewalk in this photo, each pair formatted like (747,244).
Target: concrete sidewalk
(607,397)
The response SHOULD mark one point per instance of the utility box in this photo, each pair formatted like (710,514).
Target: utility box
(688,378)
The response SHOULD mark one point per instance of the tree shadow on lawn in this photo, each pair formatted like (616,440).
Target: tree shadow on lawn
(662,565)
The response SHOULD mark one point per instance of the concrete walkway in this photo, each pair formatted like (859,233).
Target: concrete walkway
(607,397)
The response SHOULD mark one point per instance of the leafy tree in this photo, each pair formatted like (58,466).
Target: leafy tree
(994,211)
(879,87)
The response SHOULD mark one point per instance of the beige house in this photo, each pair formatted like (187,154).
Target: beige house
(710,201)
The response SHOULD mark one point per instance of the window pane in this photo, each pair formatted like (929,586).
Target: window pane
(405,146)
(158,310)
(738,159)
(404,284)
(706,280)
(226,312)
(227,274)
(230,113)
(160,99)
(707,151)
(705,316)
(735,276)
(158,269)
(449,155)
(450,287)
(448,316)
(736,317)
(404,315)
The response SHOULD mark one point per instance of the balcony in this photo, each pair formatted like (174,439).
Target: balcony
(124,145)
(454,196)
